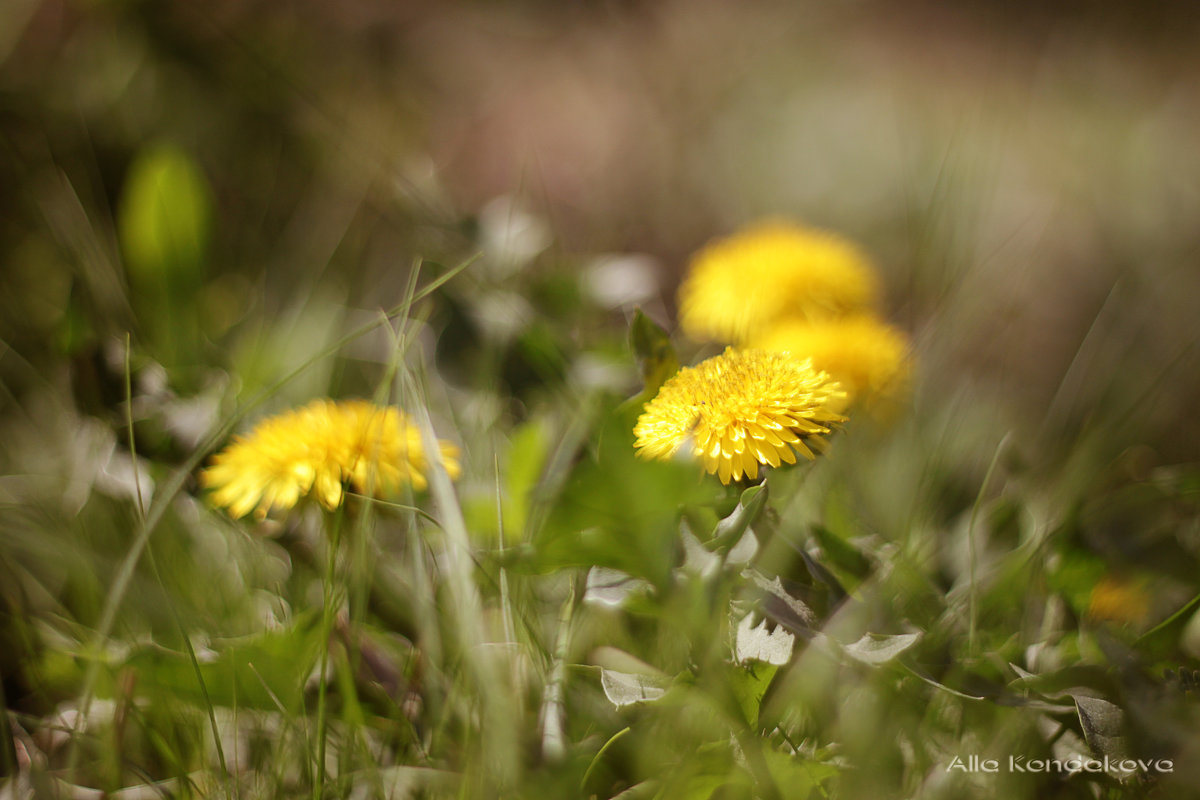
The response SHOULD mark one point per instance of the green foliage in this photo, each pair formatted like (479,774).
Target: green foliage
(518,481)
(265,671)
(750,683)
(617,510)
(654,352)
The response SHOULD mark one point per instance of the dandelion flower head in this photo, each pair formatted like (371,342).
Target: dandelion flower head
(741,409)
(868,357)
(320,449)
(740,285)
(1119,599)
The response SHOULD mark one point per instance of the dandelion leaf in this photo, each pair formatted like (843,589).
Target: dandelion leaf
(750,683)
(875,648)
(730,530)
(771,644)
(262,671)
(1103,725)
(627,688)
(655,354)
(611,587)
(619,511)
(527,452)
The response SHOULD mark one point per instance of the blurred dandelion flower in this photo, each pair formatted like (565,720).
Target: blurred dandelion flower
(1119,599)
(741,409)
(740,285)
(320,449)
(868,357)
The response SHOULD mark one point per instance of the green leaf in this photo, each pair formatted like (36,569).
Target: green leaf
(729,531)
(710,785)
(1103,725)
(611,587)
(527,452)
(1066,682)
(764,642)
(165,216)
(655,354)
(1179,627)
(627,688)
(620,511)
(518,471)
(250,672)
(781,605)
(352,710)
(750,684)
(874,648)
(798,776)
(841,554)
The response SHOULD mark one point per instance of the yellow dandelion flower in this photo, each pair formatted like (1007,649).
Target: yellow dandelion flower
(1119,599)
(868,357)
(741,409)
(319,450)
(740,285)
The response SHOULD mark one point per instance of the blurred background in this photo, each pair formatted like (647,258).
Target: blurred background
(1026,179)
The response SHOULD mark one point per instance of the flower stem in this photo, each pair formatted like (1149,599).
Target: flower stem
(334,529)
